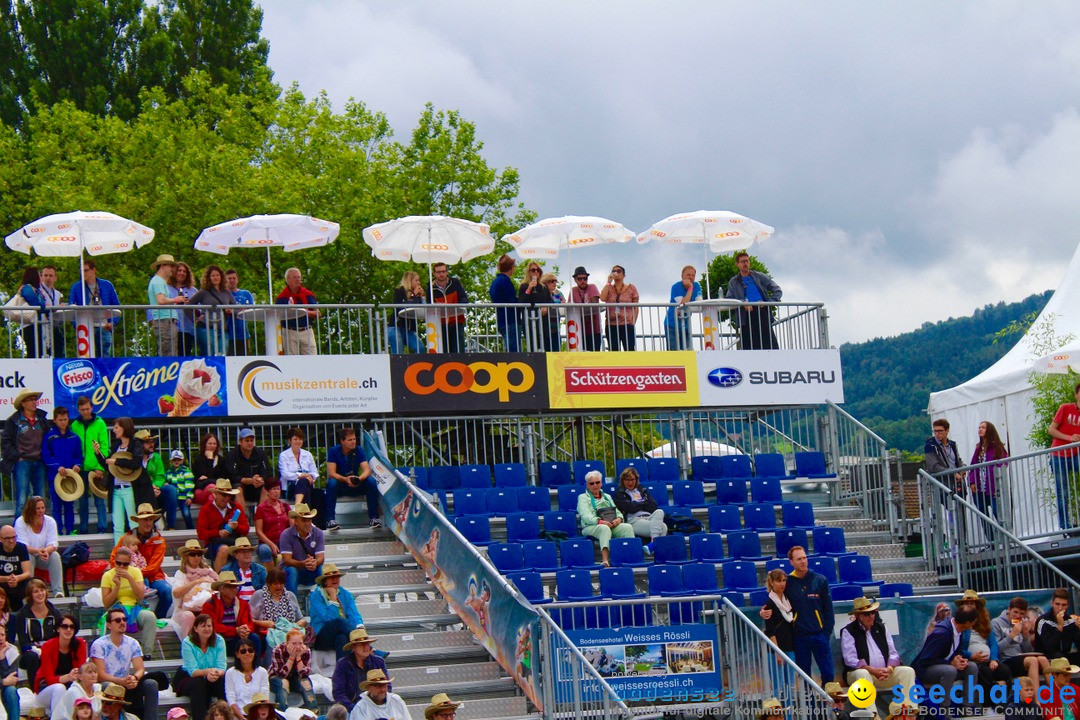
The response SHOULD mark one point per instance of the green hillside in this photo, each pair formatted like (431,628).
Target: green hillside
(888,381)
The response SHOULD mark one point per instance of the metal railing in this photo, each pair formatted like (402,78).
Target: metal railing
(970,549)
(862,462)
(342,329)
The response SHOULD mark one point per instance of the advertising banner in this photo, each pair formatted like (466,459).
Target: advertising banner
(579,381)
(19,375)
(769,377)
(506,626)
(466,383)
(650,664)
(147,388)
(309,384)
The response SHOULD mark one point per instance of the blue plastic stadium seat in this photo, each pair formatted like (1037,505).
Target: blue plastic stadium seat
(640,464)
(553,474)
(779,564)
(771,465)
(627,552)
(896,590)
(670,550)
(745,545)
(706,468)
(502,501)
(522,526)
(418,474)
(578,553)
(730,491)
(707,547)
(825,565)
(583,467)
(798,515)
(758,598)
(506,557)
(471,501)
(663,469)
(444,477)
(812,465)
(659,491)
(788,538)
(699,578)
(475,528)
(736,466)
(855,570)
(766,490)
(688,494)
(739,575)
(564,522)
(760,517)
(666,580)
(830,541)
(529,584)
(540,555)
(724,519)
(511,475)
(532,499)
(475,476)
(618,583)
(845,592)
(573,585)
(568,497)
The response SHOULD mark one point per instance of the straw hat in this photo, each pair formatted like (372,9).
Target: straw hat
(123,473)
(357,636)
(375,677)
(440,702)
(25,395)
(1061,665)
(68,485)
(144,435)
(770,706)
(329,570)
(99,486)
(242,543)
(834,689)
(226,577)
(258,699)
(969,596)
(863,605)
(224,486)
(302,510)
(37,712)
(113,693)
(146,510)
(163,260)
(189,547)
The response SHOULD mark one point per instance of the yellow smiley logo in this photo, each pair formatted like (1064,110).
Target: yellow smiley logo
(862,693)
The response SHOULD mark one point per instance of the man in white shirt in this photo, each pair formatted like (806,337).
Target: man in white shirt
(376,701)
(53,298)
(119,660)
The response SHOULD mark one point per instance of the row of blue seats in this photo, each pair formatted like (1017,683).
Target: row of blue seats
(692,495)
(705,468)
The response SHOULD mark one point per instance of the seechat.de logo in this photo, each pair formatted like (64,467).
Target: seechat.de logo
(725,377)
(77,375)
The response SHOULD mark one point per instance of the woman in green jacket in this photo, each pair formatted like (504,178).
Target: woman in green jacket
(598,515)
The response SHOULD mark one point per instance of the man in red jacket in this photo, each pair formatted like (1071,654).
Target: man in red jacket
(151,547)
(221,522)
(232,616)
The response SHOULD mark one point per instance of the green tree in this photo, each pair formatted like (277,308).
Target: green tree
(721,269)
(1051,389)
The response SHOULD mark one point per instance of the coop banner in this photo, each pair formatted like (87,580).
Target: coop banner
(309,384)
(144,388)
(505,625)
(466,383)
(672,663)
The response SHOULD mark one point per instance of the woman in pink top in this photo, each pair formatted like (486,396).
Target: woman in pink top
(271,519)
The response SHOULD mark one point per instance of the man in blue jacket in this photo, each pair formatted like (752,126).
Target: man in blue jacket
(812,603)
(502,291)
(97,292)
(61,449)
(941,662)
(754,323)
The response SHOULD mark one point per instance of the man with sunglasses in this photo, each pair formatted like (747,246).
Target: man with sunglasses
(15,571)
(151,547)
(123,585)
(447,290)
(868,650)
(119,660)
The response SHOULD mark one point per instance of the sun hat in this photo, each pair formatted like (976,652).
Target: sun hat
(163,260)
(189,547)
(242,543)
(580,270)
(144,435)
(37,712)
(123,473)
(113,693)
(302,510)
(225,487)
(258,699)
(25,395)
(225,577)
(970,596)
(863,605)
(99,486)
(357,636)
(834,689)
(68,485)
(440,702)
(145,511)
(1062,665)
(329,570)
(375,677)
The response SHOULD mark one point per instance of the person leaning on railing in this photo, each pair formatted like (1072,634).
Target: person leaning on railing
(401,333)
(210,324)
(448,290)
(299,338)
(754,323)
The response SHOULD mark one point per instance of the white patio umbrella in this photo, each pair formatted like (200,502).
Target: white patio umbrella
(429,239)
(70,234)
(285,230)
(719,230)
(547,238)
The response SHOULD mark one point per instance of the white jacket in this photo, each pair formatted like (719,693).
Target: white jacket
(393,709)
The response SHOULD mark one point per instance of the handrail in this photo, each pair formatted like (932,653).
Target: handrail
(1013,458)
(850,418)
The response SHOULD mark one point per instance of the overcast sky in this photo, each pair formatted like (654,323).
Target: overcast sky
(917,159)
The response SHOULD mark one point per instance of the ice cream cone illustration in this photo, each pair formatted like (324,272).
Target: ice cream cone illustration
(198,382)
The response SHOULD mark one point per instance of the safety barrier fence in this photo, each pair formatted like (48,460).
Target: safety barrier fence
(970,549)
(862,464)
(341,329)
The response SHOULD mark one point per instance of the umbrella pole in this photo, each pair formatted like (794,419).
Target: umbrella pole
(82,275)
(269,278)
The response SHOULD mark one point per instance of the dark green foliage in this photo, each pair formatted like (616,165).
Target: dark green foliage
(721,269)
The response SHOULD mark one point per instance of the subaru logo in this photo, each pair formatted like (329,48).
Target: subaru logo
(725,377)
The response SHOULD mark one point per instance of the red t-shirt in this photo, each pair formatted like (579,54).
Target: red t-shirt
(1068,422)
(274,523)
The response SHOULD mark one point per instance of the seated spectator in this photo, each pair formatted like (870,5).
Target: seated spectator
(231,615)
(34,625)
(352,669)
(9,675)
(598,515)
(290,670)
(273,605)
(841,707)
(1014,632)
(249,468)
(251,575)
(220,522)
(220,711)
(155,466)
(1061,672)
(271,519)
(15,569)
(5,611)
(376,700)
(347,473)
(61,451)
(979,645)
(940,662)
(191,586)
(303,548)
(208,466)
(37,531)
(771,707)
(260,708)
(1027,705)
(638,507)
(202,674)
(61,658)
(179,476)
(869,653)
(245,679)
(123,587)
(151,546)
(441,708)
(296,467)
(119,661)
(84,689)
(333,611)
(1057,632)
